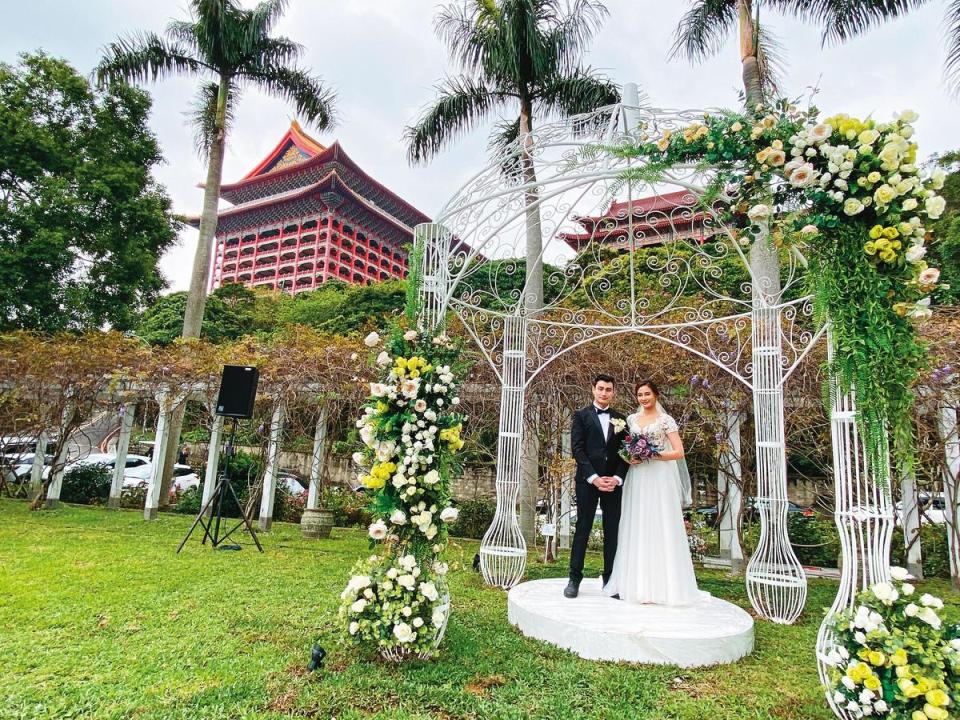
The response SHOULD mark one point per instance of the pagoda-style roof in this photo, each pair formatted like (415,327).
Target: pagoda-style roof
(294,148)
(649,219)
(299,161)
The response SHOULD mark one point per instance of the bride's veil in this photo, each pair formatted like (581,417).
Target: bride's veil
(686,487)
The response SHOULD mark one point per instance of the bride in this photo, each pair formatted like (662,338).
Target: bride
(653,562)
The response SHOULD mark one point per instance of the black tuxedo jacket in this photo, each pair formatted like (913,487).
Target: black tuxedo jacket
(594,453)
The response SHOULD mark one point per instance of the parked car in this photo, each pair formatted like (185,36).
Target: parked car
(138,469)
(292,480)
(933,508)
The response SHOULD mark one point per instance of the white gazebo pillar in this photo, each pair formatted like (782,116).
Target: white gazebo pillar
(910,517)
(729,492)
(316,460)
(947,427)
(503,551)
(270,473)
(36,470)
(165,403)
(213,461)
(127,411)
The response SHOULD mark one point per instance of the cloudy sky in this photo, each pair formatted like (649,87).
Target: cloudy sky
(382,58)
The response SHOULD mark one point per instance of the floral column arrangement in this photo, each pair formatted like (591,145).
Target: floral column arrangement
(396,601)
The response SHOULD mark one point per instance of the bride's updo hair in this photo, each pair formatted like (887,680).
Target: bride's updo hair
(647,383)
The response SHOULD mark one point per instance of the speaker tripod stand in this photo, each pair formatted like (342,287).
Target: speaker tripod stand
(211,521)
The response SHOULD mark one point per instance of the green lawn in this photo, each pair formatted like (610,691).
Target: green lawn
(100,619)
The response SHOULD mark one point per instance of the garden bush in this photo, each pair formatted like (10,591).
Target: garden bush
(933,549)
(814,539)
(349,508)
(87,485)
(474,519)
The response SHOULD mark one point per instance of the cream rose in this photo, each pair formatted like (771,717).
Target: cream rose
(372,340)
(404,633)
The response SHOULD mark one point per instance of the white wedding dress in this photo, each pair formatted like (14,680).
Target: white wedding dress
(653,563)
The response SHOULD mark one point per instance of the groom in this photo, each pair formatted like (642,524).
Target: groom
(600,472)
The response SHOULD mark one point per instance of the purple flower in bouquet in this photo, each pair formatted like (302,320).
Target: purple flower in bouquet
(638,446)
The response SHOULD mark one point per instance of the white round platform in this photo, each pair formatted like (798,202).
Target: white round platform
(597,627)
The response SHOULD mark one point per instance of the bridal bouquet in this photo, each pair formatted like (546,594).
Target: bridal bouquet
(638,446)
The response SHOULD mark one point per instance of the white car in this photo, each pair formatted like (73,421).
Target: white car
(138,469)
(933,508)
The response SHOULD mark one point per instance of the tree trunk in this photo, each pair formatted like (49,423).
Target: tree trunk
(533,302)
(197,296)
(752,87)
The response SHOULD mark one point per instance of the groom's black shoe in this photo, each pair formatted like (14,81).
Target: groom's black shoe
(571,590)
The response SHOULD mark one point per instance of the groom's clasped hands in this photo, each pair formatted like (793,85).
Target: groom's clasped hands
(605,484)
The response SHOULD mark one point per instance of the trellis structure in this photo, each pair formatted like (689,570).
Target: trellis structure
(673,273)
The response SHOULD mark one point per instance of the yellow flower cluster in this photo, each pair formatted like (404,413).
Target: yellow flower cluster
(884,243)
(379,474)
(862,674)
(849,127)
(664,142)
(914,687)
(412,368)
(451,436)
(694,132)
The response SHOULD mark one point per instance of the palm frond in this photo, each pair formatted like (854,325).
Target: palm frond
(203,114)
(146,57)
(468,29)
(771,62)
(580,92)
(703,28)
(460,105)
(575,30)
(261,20)
(841,20)
(503,145)
(951,68)
(275,51)
(311,99)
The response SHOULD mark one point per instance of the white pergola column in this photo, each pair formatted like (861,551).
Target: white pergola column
(213,461)
(566,491)
(128,410)
(270,473)
(36,470)
(503,551)
(947,427)
(316,467)
(729,493)
(911,524)
(59,460)
(160,442)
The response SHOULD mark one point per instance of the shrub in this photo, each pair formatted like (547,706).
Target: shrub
(933,549)
(814,539)
(188,502)
(87,485)
(349,508)
(134,497)
(287,506)
(474,518)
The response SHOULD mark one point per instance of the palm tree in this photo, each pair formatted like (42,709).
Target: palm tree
(230,48)
(706,25)
(518,56)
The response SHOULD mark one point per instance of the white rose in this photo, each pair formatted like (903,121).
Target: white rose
(384,359)
(408,562)
(803,176)
(866,695)
(908,116)
(409,387)
(930,276)
(418,622)
(911,610)
(410,335)
(847,683)
(431,532)
(432,477)
(449,514)
(860,638)
(885,592)
(809,230)
(880,706)
(758,213)
(372,340)
(915,253)
(929,616)
(852,206)
(420,405)
(358,458)
(438,617)
(935,206)
(407,581)
(358,582)
(910,204)
(906,589)
(406,611)
(354,627)
(429,591)
(378,389)
(404,633)
(821,132)
(440,568)
(398,517)
(378,530)
(358,606)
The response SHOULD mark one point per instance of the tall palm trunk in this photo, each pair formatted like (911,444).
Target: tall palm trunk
(197,296)
(533,302)
(752,86)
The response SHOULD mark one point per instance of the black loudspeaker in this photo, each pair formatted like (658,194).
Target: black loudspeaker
(238,389)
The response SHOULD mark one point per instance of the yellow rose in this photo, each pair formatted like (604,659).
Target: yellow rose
(888,256)
(937,697)
(737,126)
(876,232)
(884,195)
(899,657)
(872,683)
(891,232)
(903,671)
(874,177)
(870,248)
(762,155)
(876,658)
(935,713)
(918,715)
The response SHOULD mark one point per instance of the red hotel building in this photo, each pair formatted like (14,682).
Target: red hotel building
(306,214)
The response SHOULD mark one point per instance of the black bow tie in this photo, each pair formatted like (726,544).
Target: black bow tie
(603,411)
